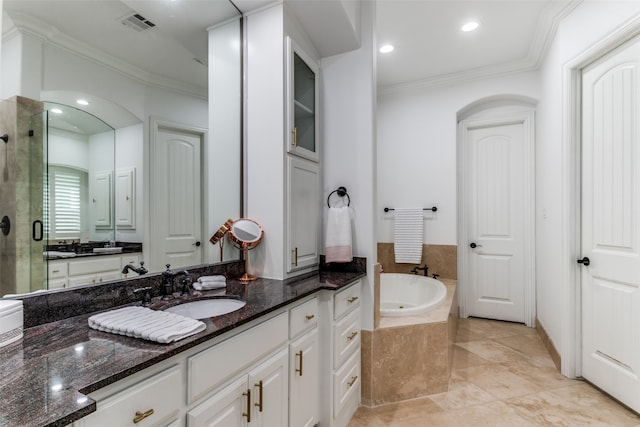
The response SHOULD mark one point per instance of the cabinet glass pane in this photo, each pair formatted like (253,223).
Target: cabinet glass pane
(304,104)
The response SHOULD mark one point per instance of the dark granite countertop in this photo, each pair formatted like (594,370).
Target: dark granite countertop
(46,376)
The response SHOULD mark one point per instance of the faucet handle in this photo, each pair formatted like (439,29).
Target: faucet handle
(146,298)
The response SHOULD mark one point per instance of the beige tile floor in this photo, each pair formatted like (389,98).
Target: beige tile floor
(502,376)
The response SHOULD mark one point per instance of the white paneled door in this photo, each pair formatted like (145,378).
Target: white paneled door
(497,191)
(176,206)
(610,258)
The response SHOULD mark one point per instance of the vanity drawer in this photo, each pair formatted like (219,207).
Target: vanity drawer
(108,263)
(346,383)
(346,337)
(160,396)
(209,369)
(346,300)
(57,270)
(303,317)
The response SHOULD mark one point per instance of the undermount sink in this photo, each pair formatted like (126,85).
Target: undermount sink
(203,309)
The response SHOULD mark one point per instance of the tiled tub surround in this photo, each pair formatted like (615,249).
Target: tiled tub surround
(409,357)
(441,259)
(81,360)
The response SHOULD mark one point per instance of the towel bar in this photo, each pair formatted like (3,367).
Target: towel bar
(433,209)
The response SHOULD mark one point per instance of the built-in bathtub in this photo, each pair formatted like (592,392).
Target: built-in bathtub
(409,294)
(409,355)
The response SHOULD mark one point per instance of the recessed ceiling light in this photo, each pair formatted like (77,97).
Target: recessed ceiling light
(56,110)
(82,102)
(386,48)
(470,26)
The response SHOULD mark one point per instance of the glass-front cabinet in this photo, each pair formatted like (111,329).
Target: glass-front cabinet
(302,107)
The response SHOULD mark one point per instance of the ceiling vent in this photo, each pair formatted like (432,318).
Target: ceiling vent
(137,22)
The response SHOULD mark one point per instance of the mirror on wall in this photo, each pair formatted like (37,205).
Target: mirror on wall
(136,64)
(79,198)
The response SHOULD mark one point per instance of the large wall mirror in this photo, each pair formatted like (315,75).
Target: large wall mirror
(164,80)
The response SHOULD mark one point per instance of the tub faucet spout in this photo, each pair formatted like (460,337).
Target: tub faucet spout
(424,268)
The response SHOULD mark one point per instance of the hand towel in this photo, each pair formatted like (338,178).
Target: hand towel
(217,278)
(408,235)
(142,322)
(207,286)
(338,237)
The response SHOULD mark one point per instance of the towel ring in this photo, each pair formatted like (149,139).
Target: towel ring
(341,192)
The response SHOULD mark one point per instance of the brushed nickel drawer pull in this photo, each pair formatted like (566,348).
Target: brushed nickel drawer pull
(142,415)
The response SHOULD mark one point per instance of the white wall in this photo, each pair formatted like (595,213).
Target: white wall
(264,155)
(349,138)
(68,149)
(417,150)
(587,25)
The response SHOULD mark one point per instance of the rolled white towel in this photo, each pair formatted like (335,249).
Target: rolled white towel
(218,278)
(208,286)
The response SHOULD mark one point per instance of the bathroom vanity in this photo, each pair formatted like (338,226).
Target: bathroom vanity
(290,356)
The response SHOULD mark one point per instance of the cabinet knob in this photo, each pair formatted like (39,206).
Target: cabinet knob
(142,415)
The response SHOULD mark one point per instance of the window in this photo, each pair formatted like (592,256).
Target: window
(65,202)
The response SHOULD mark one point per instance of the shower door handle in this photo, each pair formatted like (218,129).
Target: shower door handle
(37,230)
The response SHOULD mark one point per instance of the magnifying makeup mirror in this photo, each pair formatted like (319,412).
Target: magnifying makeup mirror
(245,234)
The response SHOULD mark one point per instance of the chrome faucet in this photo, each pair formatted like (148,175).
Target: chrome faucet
(424,268)
(140,270)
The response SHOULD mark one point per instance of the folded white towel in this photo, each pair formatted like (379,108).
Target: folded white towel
(218,278)
(142,322)
(338,238)
(207,286)
(408,235)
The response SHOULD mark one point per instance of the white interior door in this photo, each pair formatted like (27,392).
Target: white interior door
(498,266)
(176,198)
(610,218)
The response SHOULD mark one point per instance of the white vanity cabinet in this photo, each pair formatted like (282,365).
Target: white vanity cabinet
(341,367)
(258,398)
(64,273)
(302,97)
(268,373)
(304,361)
(303,213)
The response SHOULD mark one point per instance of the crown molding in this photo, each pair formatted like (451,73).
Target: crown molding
(546,29)
(51,35)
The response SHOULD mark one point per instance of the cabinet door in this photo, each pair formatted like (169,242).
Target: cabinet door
(304,380)
(101,199)
(302,99)
(227,408)
(303,212)
(269,383)
(125,198)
